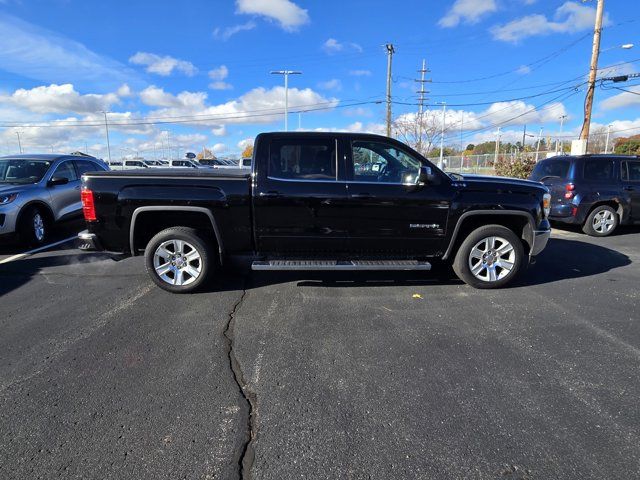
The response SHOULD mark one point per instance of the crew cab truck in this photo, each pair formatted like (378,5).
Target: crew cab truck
(318,201)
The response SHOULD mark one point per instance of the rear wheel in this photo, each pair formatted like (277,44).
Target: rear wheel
(602,221)
(34,227)
(179,260)
(490,257)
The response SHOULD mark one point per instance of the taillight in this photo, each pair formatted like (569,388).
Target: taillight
(88,205)
(569,188)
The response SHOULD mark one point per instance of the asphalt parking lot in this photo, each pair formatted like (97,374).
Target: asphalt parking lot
(273,376)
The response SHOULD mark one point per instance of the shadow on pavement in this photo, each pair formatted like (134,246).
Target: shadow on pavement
(15,274)
(565,259)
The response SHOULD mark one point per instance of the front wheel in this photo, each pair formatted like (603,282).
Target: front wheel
(178,260)
(34,227)
(490,257)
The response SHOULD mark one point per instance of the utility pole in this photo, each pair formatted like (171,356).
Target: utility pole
(421,98)
(495,157)
(593,70)
(106,128)
(606,144)
(285,74)
(390,52)
(524,137)
(19,143)
(562,117)
(444,109)
(538,145)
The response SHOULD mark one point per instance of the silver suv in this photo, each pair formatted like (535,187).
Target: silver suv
(38,190)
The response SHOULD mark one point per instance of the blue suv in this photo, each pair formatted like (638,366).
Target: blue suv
(597,192)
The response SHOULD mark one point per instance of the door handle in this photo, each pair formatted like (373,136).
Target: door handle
(271,194)
(361,195)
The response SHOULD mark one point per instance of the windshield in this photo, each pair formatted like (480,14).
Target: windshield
(22,172)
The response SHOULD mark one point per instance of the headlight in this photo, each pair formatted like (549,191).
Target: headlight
(4,199)
(546,204)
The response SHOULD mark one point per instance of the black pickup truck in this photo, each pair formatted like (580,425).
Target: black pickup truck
(318,201)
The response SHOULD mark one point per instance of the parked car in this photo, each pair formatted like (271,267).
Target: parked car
(306,206)
(131,164)
(38,190)
(183,164)
(245,163)
(597,192)
(216,163)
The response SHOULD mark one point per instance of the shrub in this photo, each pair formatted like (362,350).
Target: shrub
(517,168)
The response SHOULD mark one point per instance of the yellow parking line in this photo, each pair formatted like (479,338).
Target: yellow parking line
(36,250)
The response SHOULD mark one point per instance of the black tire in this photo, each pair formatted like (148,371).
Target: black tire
(503,276)
(180,268)
(593,225)
(33,227)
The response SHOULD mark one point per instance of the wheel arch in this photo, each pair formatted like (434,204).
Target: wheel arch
(45,208)
(612,202)
(522,223)
(197,215)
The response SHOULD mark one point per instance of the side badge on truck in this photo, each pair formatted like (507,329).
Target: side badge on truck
(424,225)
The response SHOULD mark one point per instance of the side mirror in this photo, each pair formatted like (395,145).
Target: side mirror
(426,176)
(57,181)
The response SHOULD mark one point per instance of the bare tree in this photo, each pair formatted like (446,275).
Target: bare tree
(597,140)
(420,131)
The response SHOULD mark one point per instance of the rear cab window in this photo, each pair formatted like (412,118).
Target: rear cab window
(303,159)
(551,168)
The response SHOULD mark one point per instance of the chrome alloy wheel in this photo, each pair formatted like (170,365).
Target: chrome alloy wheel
(492,259)
(177,262)
(604,221)
(38,227)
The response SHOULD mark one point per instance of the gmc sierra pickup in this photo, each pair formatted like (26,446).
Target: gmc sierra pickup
(318,201)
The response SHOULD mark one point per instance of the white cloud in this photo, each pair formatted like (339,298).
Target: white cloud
(220,130)
(163,65)
(519,113)
(333,84)
(570,17)
(124,91)
(623,99)
(242,144)
(219,148)
(332,46)
(218,75)
(524,70)
(286,13)
(228,32)
(37,53)
(360,73)
(468,11)
(62,99)
(256,106)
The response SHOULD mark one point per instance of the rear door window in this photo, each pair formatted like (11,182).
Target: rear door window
(598,170)
(551,168)
(83,166)
(304,159)
(631,171)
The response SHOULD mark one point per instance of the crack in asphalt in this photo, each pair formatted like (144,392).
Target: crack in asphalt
(245,461)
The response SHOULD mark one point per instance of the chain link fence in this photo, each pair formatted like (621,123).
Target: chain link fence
(484,164)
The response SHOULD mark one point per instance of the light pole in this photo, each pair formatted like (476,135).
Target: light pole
(286,74)
(538,144)
(562,117)
(106,128)
(444,110)
(606,144)
(19,142)
(495,157)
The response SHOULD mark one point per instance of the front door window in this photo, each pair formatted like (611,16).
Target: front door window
(383,163)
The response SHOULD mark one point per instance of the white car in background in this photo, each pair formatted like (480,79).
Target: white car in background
(184,163)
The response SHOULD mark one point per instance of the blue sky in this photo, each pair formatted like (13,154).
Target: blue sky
(196,73)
